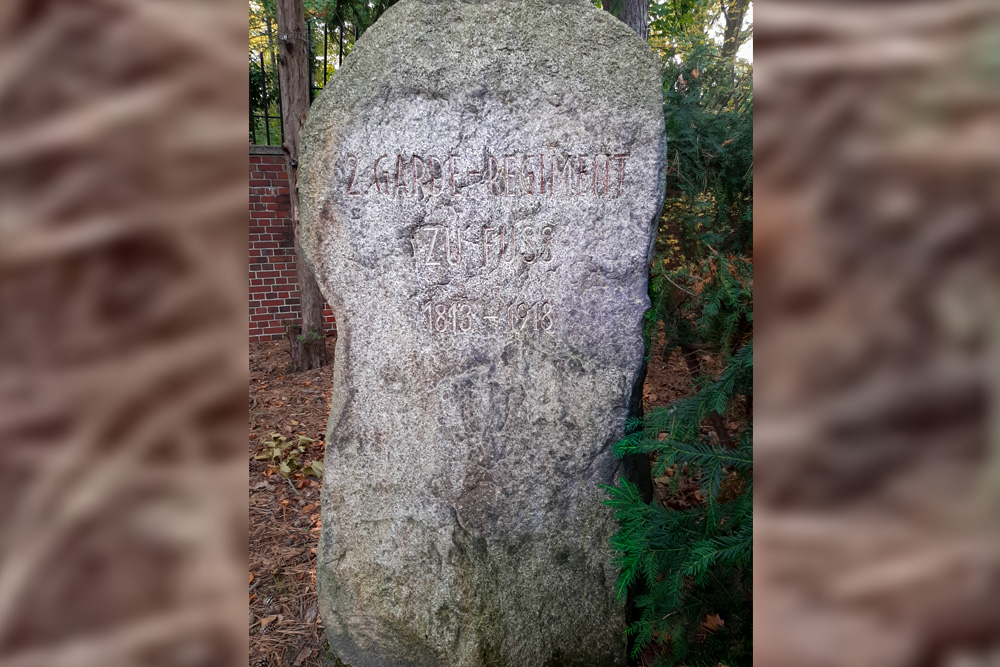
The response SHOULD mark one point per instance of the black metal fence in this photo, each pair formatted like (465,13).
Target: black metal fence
(332,40)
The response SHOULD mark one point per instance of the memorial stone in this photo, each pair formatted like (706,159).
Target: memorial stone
(480,184)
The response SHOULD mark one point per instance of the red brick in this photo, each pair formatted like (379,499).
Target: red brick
(273,287)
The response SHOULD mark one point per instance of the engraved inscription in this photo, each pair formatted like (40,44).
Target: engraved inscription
(354,175)
(536,315)
(437,245)
(444,246)
(381,178)
(507,175)
(450,318)
(508,243)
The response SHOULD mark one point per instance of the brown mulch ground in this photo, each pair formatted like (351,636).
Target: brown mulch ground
(285,630)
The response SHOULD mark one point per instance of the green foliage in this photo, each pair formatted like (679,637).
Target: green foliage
(284,455)
(311,336)
(687,563)
(691,562)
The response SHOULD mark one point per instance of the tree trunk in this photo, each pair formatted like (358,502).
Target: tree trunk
(734,14)
(633,13)
(308,344)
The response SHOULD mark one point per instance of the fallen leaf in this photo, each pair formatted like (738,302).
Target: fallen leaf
(712,622)
(308,507)
(308,383)
(267,620)
(278,403)
(251,577)
(293,423)
(303,654)
(283,501)
(253,596)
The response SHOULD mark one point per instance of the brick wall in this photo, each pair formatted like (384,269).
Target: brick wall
(274,289)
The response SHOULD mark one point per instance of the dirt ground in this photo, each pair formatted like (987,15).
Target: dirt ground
(285,629)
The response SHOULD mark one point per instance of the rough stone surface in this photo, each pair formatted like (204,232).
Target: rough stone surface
(479,185)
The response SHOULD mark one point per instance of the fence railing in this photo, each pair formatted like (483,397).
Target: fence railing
(335,40)
(266,116)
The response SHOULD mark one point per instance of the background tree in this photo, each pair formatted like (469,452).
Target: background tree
(633,13)
(311,39)
(686,557)
(308,344)
(734,36)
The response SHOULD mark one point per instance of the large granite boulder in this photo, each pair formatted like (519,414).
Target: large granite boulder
(479,188)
